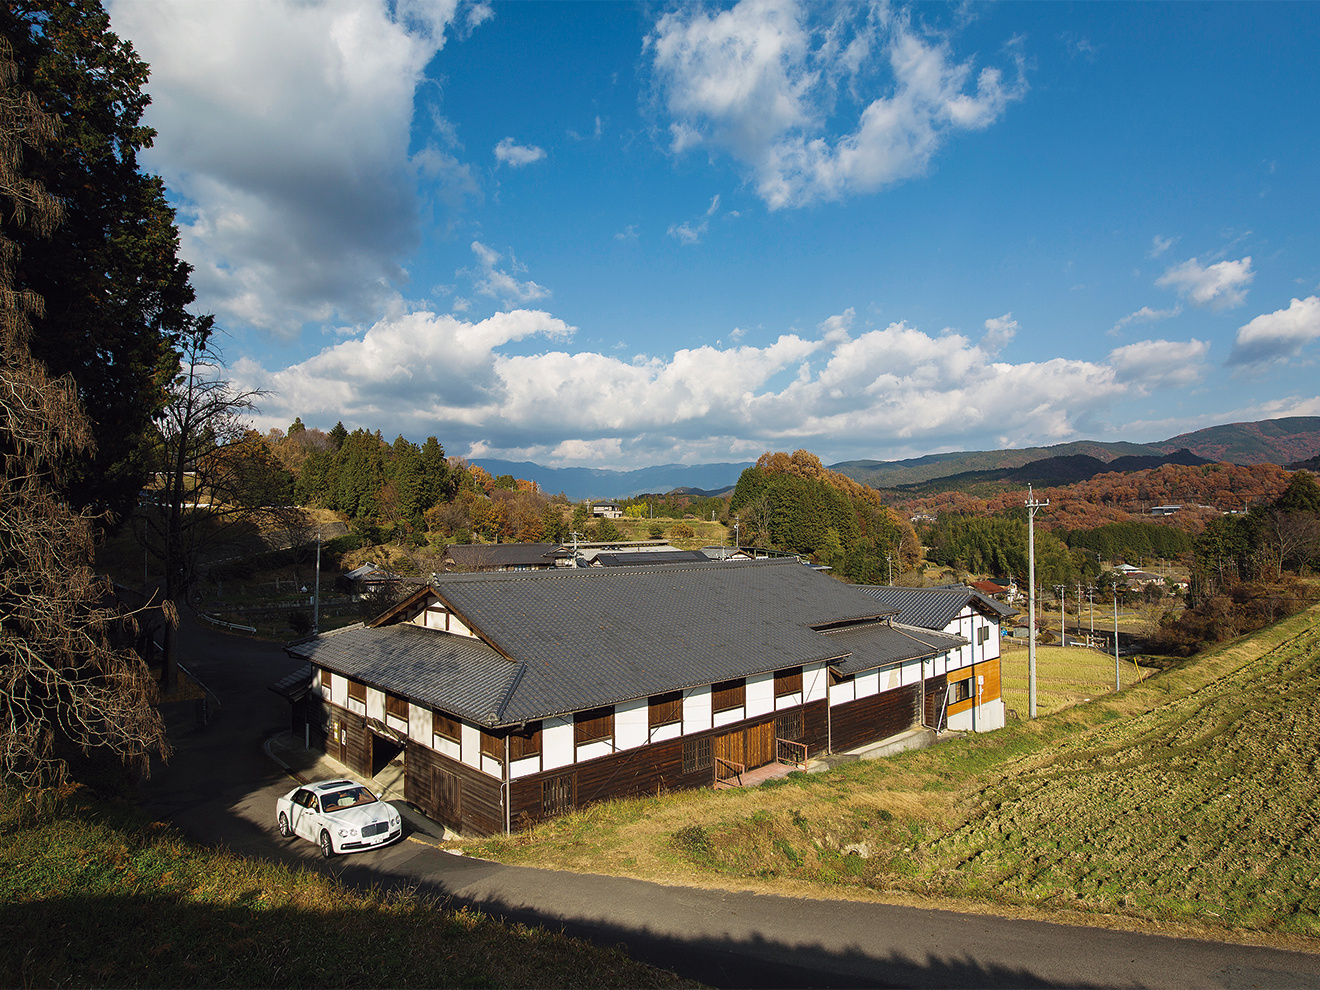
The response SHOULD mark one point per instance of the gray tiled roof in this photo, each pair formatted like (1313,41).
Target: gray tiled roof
(869,651)
(580,638)
(934,608)
(492,555)
(651,558)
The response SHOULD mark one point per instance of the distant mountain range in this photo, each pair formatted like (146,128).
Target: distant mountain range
(1286,441)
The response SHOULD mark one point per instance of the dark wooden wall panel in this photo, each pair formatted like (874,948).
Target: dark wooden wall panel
(866,720)
(936,689)
(482,813)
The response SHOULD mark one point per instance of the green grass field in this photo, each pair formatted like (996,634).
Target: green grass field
(1187,802)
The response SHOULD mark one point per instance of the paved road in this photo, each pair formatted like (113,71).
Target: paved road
(221,787)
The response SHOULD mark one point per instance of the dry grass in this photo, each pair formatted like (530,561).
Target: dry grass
(94,896)
(1186,799)
(1065,676)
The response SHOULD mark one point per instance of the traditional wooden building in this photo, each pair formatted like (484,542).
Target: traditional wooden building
(973,670)
(517,696)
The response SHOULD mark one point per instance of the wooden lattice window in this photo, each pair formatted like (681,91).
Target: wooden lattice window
(788,681)
(727,695)
(357,691)
(445,727)
(594,725)
(396,705)
(525,742)
(665,708)
(696,754)
(557,795)
(788,725)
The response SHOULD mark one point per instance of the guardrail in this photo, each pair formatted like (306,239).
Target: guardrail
(735,771)
(792,753)
(228,625)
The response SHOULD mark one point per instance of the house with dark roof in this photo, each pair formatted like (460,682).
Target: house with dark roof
(972,671)
(515,696)
(501,556)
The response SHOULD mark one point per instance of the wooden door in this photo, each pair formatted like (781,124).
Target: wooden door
(447,796)
(730,747)
(760,748)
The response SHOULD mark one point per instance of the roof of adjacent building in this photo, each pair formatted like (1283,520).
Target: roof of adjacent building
(650,558)
(935,608)
(495,555)
(556,642)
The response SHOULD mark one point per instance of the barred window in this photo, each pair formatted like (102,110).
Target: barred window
(665,708)
(727,695)
(696,754)
(557,795)
(788,725)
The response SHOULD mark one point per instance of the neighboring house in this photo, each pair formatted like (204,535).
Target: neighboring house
(371,576)
(501,556)
(606,510)
(649,557)
(973,670)
(518,696)
(726,553)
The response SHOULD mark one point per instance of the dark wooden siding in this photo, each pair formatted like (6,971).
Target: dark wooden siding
(479,804)
(935,690)
(815,727)
(356,753)
(888,713)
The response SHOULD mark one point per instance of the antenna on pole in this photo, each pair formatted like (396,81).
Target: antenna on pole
(1032,507)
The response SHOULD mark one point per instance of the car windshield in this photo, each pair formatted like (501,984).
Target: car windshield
(349,797)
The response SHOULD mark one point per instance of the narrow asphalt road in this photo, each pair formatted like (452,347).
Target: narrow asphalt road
(220,787)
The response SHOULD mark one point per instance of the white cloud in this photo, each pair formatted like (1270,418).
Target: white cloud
(1161,363)
(1144,315)
(1221,286)
(517,155)
(466,381)
(760,81)
(999,330)
(688,232)
(1158,245)
(498,284)
(284,131)
(1277,335)
(629,233)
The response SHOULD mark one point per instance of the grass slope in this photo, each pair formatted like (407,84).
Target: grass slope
(1190,797)
(95,896)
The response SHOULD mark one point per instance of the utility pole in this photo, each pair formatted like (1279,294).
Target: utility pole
(1059,590)
(316,590)
(889,559)
(1079,609)
(1090,597)
(1117,685)
(1032,507)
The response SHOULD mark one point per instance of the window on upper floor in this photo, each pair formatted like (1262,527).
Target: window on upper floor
(596,725)
(727,695)
(665,709)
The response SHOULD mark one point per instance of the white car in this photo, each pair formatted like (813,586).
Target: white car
(338,815)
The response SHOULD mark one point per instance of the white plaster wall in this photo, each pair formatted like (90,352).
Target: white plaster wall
(890,678)
(450,748)
(788,701)
(815,681)
(419,724)
(630,728)
(376,704)
(867,683)
(911,673)
(962,721)
(591,750)
(471,746)
(696,709)
(760,694)
(662,732)
(990,716)
(725,718)
(842,693)
(556,743)
(493,767)
(523,767)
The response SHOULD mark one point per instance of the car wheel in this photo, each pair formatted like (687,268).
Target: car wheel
(284,825)
(327,848)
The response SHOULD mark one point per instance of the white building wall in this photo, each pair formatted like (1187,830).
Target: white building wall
(788,701)
(815,682)
(472,746)
(842,693)
(630,728)
(375,704)
(419,724)
(525,767)
(696,709)
(760,694)
(591,750)
(911,673)
(492,766)
(448,747)
(556,743)
(867,683)
(662,732)
(728,717)
(890,678)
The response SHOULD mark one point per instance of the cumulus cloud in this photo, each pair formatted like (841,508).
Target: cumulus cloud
(422,374)
(1277,335)
(762,80)
(517,155)
(284,131)
(1145,315)
(999,330)
(1221,286)
(1160,363)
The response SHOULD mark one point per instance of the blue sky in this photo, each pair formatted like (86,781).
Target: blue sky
(615,234)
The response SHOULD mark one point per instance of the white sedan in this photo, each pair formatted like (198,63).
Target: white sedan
(338,815)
